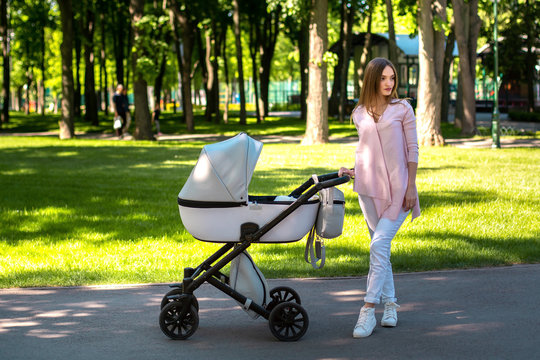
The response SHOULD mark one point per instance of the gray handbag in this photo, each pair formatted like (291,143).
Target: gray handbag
(329,224)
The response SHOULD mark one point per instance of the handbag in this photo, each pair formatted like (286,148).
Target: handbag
(329,224)
(117,123)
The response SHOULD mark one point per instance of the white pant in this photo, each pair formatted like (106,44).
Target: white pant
(380,281)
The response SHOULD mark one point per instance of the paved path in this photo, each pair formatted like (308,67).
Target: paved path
(487,313)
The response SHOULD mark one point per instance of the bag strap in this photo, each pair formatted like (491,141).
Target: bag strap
(315,250)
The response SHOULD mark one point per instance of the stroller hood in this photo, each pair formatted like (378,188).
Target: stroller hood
(223,171)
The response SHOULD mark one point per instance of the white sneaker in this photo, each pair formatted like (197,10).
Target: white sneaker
(366,323)
(389,318)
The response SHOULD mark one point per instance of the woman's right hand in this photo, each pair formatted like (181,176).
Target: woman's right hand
(344,171)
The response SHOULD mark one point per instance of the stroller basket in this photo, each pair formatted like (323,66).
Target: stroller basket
(214,205)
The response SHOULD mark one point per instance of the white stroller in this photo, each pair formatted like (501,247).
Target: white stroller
(215,206)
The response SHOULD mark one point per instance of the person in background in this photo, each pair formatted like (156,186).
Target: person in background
(385,180)
(119,110)
(155,118)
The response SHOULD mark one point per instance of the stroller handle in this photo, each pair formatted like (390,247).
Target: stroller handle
(325,181)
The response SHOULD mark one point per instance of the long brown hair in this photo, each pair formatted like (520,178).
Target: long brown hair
(371,84)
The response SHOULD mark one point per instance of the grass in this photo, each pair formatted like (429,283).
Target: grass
(81,212)
(171,124)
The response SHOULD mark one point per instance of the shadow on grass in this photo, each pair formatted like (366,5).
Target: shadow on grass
(115,192)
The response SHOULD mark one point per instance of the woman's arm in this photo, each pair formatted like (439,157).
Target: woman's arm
(410,195)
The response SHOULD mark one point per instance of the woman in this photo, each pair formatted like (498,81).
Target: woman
(385,180)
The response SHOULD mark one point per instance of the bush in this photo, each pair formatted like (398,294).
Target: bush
(524,116)
(285,107)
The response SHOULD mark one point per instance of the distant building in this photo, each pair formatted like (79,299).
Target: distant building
(407,65)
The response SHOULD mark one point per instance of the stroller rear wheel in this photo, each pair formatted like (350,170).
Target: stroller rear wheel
(282,294)
(179,320)
(175,292)
(288,321)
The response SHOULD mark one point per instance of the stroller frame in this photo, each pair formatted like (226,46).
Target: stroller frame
(288,321)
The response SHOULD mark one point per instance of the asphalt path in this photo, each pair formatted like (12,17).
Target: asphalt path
(489,313)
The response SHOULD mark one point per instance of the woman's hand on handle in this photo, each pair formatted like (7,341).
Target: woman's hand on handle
(344,171)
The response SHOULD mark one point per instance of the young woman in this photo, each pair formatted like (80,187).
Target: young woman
(385,180)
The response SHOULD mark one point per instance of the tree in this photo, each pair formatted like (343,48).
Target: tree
(119,14)
(67,129)
(254,38)
(91,106)
(467,25)
(267,44)
(295,17)
(187,25)
(431,17)
(103,6)
(392,46)
(348,10)
(339,86)
(317,100)
(366,51)
(448,59)
(143,127)
(4,33)
(238,42)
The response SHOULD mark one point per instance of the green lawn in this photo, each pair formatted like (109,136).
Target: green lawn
(93,212)
(171,124)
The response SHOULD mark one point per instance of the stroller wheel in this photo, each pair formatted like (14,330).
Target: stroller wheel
(282,294)
(175,292)
(288,321)
(179,320)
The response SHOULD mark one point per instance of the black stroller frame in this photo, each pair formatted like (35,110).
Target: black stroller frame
(288,320)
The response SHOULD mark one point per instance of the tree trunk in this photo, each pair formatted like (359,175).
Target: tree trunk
(431,61)
(5,56)
(77,26)
(28,87)
(158,83)
(103,66)
(143,124)
(347,44)
(226,74)
(253,42)
(214,71)
(118,41)
(205,53)
(90,99)
(531,55)
(366,53)
(333,101)
(317,110)
(267,46)
(392,47)
(41,86)
(188,34)
(238,40)
(67,130)
(448,58)
(129,48)
(303,48)
(177,52)
(467,27)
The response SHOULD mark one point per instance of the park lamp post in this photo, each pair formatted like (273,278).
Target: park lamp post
(495,129)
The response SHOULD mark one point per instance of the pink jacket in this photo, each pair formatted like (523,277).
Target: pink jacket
(384,149)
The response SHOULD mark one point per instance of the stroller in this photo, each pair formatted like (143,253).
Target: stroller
(215,206)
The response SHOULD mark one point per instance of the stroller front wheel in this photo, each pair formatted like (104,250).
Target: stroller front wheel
(179,320)
(288,321)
